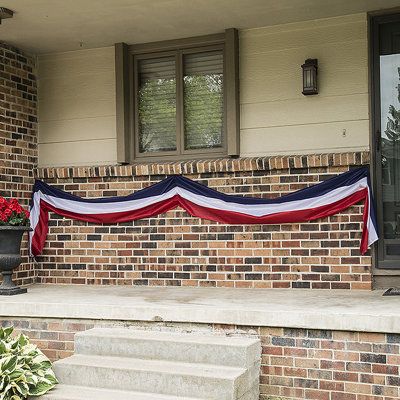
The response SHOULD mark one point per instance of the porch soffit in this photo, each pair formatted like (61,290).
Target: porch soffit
(48,26)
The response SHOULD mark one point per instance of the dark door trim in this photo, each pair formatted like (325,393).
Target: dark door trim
(374,22)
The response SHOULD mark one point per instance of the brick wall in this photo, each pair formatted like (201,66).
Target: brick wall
(296,363)
(330,365)
(178,250)
(18,133)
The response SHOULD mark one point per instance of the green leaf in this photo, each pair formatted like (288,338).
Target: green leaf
(22,340)
(31,380)
(51,378)
(22,388)
(3,348)
(5,394)
(8,331)
(14,345)
(9,364)
(16,375)
(40,389)
(35,367)
(45,365)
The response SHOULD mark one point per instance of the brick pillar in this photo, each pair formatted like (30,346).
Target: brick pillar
(18,133)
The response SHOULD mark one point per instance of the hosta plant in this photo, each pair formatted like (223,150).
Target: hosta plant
(24,370)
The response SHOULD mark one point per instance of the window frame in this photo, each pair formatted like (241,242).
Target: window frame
(126,59)
(382,262)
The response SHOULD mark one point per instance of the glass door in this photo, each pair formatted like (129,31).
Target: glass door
(386,71)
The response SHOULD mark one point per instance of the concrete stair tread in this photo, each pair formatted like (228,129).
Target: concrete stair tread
(72,392)
(154,366)
(166,336)
(198,347)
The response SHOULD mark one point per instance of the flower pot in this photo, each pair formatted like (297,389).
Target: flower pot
(10,257)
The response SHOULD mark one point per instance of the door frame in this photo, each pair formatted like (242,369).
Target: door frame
(375,19)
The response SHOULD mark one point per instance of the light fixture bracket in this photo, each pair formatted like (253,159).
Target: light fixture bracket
(5,13)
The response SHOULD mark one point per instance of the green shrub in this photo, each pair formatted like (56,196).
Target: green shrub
(24,369)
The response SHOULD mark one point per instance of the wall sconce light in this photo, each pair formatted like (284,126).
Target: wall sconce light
(5,13)
(310,72)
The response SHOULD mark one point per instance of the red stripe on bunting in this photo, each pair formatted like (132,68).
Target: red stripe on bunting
(365,231)
(227,217)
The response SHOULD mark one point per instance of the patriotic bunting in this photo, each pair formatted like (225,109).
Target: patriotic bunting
(324,199)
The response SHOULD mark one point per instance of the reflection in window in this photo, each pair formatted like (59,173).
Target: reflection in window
(386,180)
(390,139)
(203,99)
(157,104)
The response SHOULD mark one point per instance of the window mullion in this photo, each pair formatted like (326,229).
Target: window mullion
(179,103)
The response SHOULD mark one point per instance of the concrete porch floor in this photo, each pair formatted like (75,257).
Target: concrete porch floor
(337,310)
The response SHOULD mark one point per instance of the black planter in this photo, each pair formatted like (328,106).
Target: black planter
(10,257)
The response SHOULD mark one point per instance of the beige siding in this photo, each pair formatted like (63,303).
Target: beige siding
(275,117)
(77,95)
(77,108)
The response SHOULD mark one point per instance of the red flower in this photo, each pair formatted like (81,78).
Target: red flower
(3,203)
(14,206)
(12,213)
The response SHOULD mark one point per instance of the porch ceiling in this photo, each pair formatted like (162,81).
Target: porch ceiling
(46,26)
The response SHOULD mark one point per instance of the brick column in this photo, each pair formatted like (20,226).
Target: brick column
(18,132)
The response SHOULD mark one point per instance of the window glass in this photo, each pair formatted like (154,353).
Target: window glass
(157,104)
(203,100)
(390,142)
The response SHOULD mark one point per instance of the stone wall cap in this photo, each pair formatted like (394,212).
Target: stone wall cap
(363,311)
(209,166)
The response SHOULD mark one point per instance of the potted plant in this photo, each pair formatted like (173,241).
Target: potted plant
(14,221)
(24,370)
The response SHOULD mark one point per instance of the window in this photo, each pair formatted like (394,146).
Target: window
(183,101)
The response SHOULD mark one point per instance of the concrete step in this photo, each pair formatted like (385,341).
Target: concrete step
(69,392)
(202,381)
(159,345)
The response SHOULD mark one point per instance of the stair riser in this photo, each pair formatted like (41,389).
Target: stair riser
(252,394)
(57,397)
(72,392)
(154,382)
(232,356)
